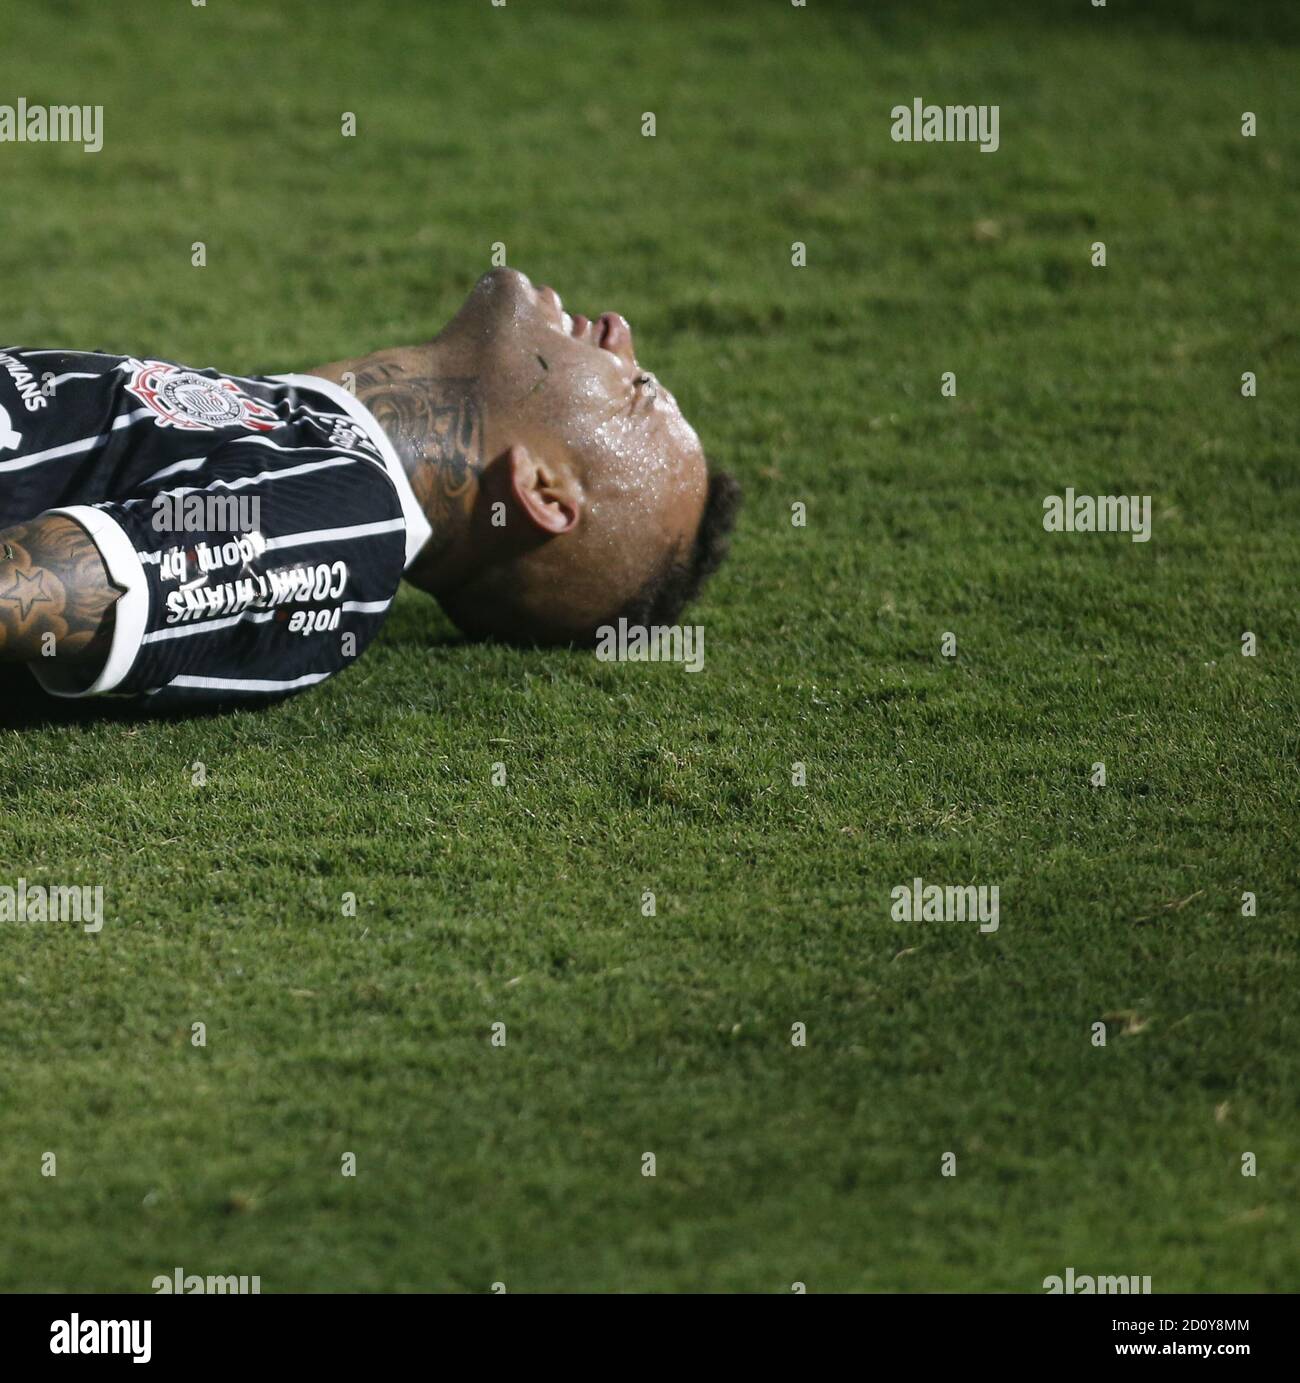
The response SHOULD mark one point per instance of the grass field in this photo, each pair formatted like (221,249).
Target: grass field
(477,904)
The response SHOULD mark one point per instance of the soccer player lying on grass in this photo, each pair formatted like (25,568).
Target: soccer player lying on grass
(193,537)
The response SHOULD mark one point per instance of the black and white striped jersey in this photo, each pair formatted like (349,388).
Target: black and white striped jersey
(258,527)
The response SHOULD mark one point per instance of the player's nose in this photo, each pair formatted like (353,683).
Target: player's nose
(615,336)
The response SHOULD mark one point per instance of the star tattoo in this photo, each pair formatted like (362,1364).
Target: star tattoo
(27,591)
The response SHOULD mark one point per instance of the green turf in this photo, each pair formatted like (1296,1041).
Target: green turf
(521,904)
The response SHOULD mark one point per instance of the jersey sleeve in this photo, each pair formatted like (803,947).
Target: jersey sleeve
(251,575)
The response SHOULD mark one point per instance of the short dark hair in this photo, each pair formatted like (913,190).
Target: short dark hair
(679,578)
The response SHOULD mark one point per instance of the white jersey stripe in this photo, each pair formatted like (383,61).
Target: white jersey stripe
(329,535)
(184,630)
(192,464)
(263,475)
(319,446)
(247,683)
(73,448)
(73,374)
(106,355)
(360,607)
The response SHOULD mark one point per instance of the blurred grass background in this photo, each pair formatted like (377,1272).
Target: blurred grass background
(329,1034)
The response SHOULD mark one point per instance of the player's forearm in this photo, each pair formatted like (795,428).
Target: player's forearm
(56,599)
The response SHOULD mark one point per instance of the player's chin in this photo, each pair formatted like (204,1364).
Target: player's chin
(508,285)
(497,303)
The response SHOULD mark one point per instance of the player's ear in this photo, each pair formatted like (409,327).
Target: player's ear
(548,497)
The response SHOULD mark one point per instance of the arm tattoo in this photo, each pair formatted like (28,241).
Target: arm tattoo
(436,425)
(53,582)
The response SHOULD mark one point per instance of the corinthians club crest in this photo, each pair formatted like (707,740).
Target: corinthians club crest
(186,399)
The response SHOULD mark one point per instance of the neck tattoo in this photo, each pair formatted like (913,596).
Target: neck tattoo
(435,423)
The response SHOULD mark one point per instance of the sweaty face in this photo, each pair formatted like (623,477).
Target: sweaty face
(569,388)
